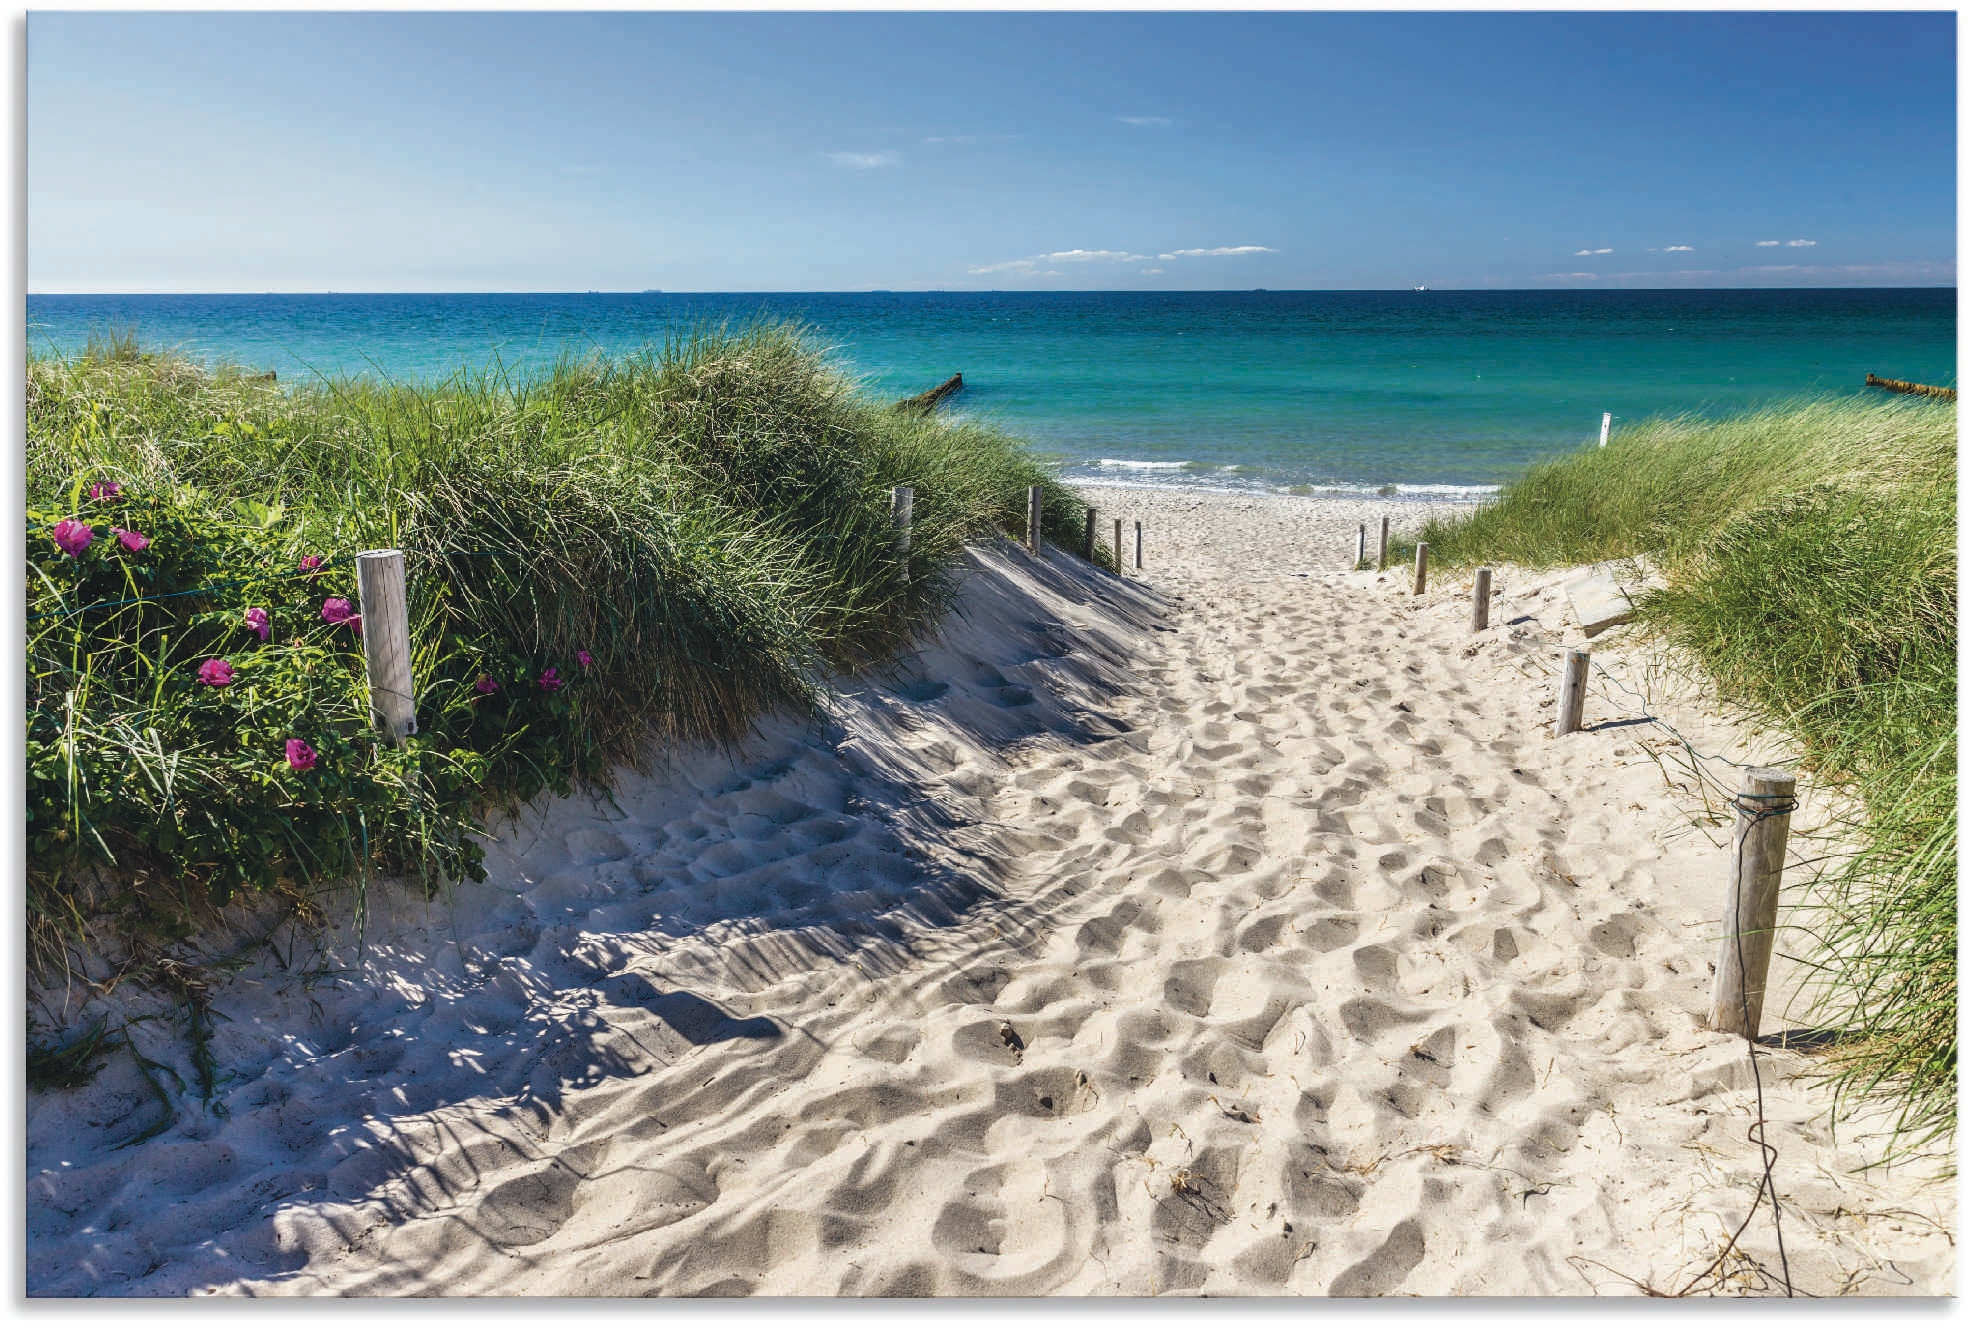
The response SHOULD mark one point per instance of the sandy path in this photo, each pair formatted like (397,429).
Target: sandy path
(1238,930)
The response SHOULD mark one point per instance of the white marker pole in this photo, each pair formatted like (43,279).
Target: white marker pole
(1605,427)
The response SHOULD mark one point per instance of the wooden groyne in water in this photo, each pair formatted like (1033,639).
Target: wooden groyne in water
(1913,389)
(930,400)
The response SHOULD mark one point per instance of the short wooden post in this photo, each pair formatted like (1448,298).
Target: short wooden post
(1137,546)
(1605,427)
(386,641)
(1479,609)
(1034,516)
(1383,545)
(1571,693)
(1421,568)
(1089,534)
(1764,802)
(902,510)
(1361,556)
(1119,568)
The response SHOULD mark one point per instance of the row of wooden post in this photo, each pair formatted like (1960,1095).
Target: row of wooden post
(1034,525)
(1765,796)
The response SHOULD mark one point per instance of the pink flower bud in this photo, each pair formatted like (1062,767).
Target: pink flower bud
(551,681)
(130,539)
(299,755)
(336,611)
(104,489)
(258,621)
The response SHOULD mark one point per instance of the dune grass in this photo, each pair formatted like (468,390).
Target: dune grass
(655,547)
(1808,553)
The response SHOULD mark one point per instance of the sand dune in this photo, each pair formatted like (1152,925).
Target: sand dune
(1234,928)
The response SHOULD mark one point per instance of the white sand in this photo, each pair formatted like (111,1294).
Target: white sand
(1238,928)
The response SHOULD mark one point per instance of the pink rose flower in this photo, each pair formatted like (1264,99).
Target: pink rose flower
(104,489)
(215,673)
(300,756)
(485,685)
(310,562)
(551,681)
(73,536)
(336,611)
(258,621)
(130,539)
(584,659)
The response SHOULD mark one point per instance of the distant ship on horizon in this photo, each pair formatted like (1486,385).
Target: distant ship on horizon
(1421,288)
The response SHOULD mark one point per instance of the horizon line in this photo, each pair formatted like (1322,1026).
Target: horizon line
(967,290)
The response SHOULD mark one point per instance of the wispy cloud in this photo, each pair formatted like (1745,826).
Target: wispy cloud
(1146,121)
(1587,253)
(1029,266)
(1227,251)
(1572,276)
(1768,244)
(1801,244)
(1680,249)
(1024,265)
(864,161)
(1151,272)
(1093,256)
(969,138)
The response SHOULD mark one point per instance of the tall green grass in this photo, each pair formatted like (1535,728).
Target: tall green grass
(1808,554)
(684,537)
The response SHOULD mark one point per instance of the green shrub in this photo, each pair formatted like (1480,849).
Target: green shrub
(660,546)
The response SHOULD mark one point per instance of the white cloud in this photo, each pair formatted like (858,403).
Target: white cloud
(1802,244)
(1028,267)
(1093,256)
(864,161)
(1573,276)
(1587,253)
(1146,121)
(1768,244)
(1680,249)
(1151,272)
(1227,251)
(1010,265)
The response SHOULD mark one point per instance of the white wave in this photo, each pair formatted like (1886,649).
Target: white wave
(1145,465)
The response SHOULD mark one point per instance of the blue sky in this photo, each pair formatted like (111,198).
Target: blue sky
(805,152)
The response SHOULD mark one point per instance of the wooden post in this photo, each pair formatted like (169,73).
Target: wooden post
(1571,693)
(1034,517)
(1119,568)
(1137,546)
(902,510)
(1361,556)
(1383,545)
(1749,919)
(1605,427)
(386,641)
(1421,568)
(1479,611)
(1089,534)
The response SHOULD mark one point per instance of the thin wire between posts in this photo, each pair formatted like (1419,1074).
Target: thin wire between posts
(1758,807)
(1774,805)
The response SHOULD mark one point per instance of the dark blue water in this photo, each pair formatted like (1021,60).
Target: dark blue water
(1340,389)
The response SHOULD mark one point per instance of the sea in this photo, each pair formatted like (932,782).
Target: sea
(1419,393)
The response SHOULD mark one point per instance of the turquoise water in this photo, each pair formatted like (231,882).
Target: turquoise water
(1428,391)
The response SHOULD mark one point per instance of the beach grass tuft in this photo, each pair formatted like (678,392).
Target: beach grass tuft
(1808,554)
